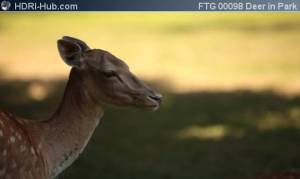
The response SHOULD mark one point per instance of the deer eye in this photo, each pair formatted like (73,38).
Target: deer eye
(112,74)
(109,74)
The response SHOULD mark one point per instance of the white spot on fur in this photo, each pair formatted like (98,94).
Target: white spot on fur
(4,153)
(1,123)
(32,150)
(39,146)
(12,139)
(19,136)
(14,164)
(22,148)
(20,121)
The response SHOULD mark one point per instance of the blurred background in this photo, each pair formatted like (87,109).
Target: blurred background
(230,81)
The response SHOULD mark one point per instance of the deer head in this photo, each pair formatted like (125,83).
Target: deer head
(106,78)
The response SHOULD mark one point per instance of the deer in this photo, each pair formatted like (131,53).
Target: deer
(42,149)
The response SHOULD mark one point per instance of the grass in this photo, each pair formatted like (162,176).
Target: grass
(213,135)
(211,51)
(226,114)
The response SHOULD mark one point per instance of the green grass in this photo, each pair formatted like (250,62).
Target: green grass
(137,144)
(211,135)
(224,115)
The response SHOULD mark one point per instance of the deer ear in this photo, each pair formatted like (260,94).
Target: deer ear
(70,52)
(82,44)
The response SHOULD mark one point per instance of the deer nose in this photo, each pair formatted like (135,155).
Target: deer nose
(156,96)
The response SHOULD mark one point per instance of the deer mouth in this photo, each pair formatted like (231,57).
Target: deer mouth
(154,101)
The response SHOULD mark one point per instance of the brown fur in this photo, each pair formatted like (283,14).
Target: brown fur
(43,149)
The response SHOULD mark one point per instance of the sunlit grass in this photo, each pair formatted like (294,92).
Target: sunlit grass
(214,132)
(271,121)
(217,133)
(189,51)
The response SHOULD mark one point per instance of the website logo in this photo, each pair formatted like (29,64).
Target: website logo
(5,5)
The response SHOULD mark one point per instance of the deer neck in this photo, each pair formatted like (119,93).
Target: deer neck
(69,130)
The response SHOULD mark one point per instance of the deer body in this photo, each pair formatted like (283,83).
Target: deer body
(43,149)
(20,154)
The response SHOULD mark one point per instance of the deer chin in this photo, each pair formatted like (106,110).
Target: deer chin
(154,108)
(149,107)
(147,103)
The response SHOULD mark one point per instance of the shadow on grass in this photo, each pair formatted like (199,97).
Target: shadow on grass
(210,135)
